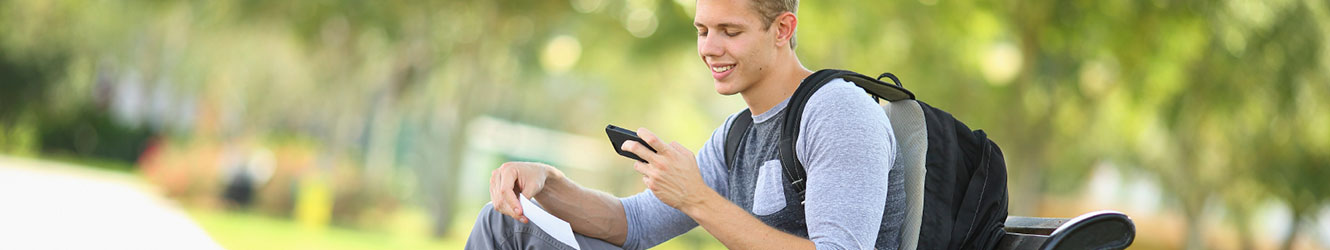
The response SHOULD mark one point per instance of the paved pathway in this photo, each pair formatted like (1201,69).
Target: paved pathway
(45,205)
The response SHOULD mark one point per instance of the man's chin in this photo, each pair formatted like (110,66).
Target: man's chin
(725,89)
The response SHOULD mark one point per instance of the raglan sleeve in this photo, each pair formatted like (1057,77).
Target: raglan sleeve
(651,222)
(847,147)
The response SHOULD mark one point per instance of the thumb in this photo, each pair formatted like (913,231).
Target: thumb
(531,189)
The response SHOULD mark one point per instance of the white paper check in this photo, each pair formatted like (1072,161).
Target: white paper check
(551,225)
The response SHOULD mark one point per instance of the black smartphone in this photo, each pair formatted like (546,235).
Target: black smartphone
(620,135)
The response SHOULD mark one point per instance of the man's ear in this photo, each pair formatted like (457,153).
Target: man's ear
(784,25)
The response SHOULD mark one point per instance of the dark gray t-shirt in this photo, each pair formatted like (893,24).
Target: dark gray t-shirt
(846,146)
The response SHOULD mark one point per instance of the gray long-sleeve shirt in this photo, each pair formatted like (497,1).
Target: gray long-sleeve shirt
(847,148)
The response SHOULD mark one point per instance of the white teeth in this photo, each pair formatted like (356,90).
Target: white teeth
(722,69)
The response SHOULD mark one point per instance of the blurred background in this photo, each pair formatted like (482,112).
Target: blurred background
(314,124)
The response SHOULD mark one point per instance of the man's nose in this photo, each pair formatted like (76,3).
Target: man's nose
(709,47)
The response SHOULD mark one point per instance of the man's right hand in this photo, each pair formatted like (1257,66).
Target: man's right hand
(527,178)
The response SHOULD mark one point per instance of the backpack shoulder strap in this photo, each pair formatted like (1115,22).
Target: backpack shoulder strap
(789,133)
(738,128)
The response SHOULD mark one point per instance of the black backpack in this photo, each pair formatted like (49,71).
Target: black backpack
(963,200)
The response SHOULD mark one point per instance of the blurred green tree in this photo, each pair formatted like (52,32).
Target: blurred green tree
(1221,101)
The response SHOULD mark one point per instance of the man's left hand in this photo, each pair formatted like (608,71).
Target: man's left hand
(671,172)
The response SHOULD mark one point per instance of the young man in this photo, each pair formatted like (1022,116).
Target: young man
(845,144)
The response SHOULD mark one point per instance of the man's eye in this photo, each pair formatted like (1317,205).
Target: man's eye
(732,34)
(701,33)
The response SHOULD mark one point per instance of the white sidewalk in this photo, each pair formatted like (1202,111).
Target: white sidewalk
(46,205)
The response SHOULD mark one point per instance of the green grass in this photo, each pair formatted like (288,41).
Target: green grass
(242,230)
(408,229)
(92,162)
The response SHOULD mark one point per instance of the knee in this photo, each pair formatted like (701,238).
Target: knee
(489,215)
(491,219)
(487,209)
(488,230)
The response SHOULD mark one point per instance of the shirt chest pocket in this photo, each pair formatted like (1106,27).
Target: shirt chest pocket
(769,195)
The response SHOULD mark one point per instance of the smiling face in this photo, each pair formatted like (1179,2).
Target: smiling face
(736,45)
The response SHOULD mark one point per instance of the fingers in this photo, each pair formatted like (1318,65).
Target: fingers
(679,147)
(640,151)
(507,183)
(647,172)
(643,168)
(517,205)
(494,192)
(651,139)
(506,201)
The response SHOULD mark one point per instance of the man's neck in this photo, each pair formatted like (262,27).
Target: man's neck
(785,79)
